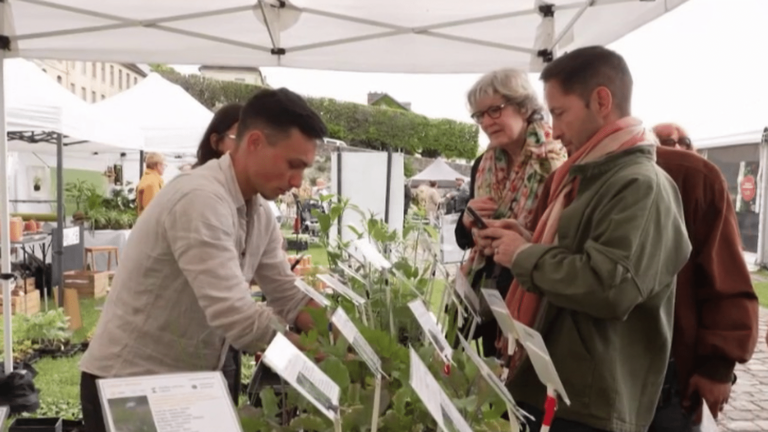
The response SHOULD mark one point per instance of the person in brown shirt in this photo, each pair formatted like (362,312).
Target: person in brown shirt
(716,309)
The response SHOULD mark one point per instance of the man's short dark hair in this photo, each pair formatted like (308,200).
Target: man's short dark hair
(581,71)
(276,112)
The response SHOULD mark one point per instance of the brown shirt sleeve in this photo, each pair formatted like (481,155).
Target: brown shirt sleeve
(728,307)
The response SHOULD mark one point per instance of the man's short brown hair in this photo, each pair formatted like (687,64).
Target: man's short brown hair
(583,70)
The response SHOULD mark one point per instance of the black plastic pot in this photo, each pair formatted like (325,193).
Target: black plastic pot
(36,425)
(72,426)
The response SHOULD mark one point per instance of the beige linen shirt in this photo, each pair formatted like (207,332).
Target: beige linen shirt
(182,292)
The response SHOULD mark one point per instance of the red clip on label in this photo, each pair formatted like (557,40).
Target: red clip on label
(447,369)
(550,406)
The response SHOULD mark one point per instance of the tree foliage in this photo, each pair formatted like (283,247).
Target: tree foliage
(359,125)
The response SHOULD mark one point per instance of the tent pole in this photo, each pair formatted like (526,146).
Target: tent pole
(762,200)
(58,248)
(5,220)
(338,190)
(389,184)
(141,164)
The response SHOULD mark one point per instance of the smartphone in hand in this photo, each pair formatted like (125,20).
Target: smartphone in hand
(479,222)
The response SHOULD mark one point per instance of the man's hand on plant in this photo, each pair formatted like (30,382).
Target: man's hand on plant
(296,340)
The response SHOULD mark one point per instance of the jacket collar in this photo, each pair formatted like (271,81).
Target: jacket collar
(611,161)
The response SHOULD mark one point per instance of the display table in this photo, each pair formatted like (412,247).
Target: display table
(116,238)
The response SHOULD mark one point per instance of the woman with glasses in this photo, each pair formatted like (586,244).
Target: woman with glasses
(219,138)
(506,179)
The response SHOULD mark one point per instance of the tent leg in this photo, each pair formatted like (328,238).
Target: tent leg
(58,248)
(141,164)
(5,220)
(389,184)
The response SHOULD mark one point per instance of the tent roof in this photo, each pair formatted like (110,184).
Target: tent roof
(36,104)
(172,121)
(751,137)
(428,36)
(438,171)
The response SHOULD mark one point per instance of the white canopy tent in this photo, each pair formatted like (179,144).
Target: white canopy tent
(37,108)
(400,36)
(171,120)
(429,36)
(438,171)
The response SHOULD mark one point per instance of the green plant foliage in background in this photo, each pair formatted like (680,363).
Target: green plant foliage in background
(116,211)
(372,127)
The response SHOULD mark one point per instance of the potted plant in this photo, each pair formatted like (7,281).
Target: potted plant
(37,183)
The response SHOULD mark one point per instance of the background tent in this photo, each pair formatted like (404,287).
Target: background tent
(171,120)
(438,171)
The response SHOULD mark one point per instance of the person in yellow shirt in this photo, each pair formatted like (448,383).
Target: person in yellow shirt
(151,182)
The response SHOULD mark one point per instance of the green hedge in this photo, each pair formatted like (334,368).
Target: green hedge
(358,125)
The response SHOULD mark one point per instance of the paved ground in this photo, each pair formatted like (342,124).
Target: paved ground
(748,409)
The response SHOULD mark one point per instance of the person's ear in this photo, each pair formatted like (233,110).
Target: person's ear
(214,140)
(602,101)
(255,140)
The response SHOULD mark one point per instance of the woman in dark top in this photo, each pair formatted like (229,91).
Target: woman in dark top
(219,138)
(506,179)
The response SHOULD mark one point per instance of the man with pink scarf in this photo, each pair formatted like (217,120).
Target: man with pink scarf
(596,275)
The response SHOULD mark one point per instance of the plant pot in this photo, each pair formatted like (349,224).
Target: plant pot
(36,425)
(72,426)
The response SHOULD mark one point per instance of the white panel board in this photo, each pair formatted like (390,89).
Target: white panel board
(364,183)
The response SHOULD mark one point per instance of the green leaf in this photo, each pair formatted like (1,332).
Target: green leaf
(269,403)
(337,371)
(309,422)
(402,397)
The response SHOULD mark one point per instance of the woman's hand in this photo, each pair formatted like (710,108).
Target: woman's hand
(505,244)
(512,225)
(485,207)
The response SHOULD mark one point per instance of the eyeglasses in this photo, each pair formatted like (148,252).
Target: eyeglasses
(230,136)
(683,142)
(493,112)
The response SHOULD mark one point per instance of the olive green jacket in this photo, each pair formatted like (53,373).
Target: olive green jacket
(609,284)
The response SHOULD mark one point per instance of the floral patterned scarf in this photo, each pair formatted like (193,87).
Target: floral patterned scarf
(516,191)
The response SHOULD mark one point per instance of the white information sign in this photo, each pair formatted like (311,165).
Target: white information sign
(342,289)
(303,374)
(530,339)
(312,293)
(433,333)
(365,251)
(356,339)
(352,273)
(467,294)
(71,236)
(191,402)
(434,398)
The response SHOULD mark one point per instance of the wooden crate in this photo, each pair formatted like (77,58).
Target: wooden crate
(87,283)
(28,284)
(28,304)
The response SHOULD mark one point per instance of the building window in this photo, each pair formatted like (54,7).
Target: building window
(127,80)
(103,73)
(58,79)
(103,97)
(111,75)
(72,88)
(83,94)
(44,70)
(120,78)
(84,68)
(135,80)
(93,96)
(93,69)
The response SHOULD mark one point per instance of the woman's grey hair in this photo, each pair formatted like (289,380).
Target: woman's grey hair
(512,85)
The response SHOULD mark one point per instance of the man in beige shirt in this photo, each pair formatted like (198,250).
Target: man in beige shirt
(181,295)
